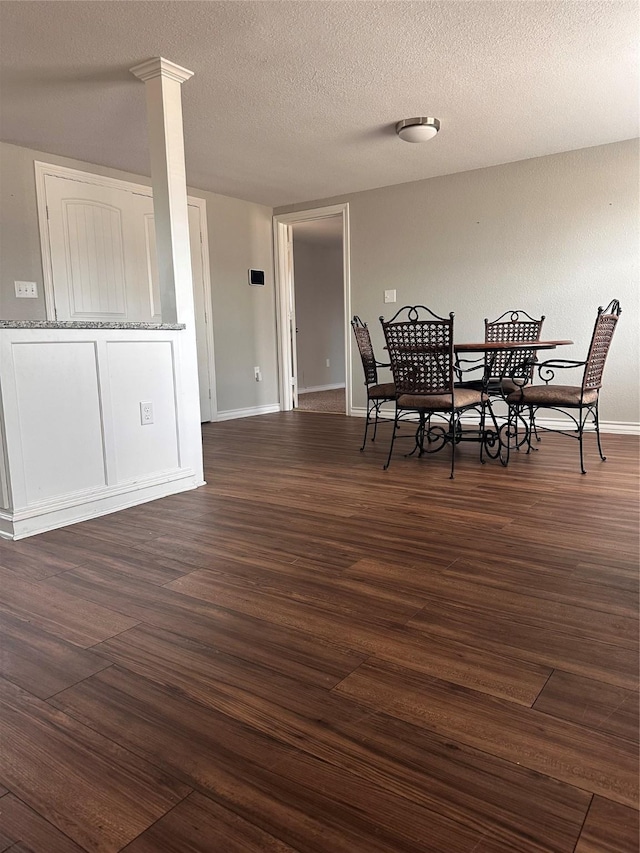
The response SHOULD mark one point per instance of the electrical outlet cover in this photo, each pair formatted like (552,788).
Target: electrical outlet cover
(146,413)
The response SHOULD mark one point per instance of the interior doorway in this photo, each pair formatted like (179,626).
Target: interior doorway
(319,300)
(313,292)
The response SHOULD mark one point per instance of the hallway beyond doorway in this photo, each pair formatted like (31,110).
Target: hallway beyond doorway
(331,401)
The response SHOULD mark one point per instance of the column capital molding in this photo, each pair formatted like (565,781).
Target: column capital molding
(160,67)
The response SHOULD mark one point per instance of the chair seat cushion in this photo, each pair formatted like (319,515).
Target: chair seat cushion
(508,386)
(384,391)
(494,387)
(475,384)
(553,395)
(462,398)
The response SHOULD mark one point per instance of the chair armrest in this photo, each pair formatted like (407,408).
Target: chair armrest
(476,361)
(546,369)
(382,364)
(561,362)
(478,364)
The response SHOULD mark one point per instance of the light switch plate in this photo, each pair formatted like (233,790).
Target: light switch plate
(389,296)
(26,289)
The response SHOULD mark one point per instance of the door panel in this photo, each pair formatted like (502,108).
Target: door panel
(95,243)
(95,256)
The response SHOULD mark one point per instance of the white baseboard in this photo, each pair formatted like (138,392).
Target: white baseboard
(315,388)
(360,412)
(232,414)
(612,427)
(52,514)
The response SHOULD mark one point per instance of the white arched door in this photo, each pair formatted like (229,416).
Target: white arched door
(99,241)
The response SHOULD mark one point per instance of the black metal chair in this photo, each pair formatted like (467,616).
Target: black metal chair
(504,371)
(377,393)
(578,402)
(420,347)
(498,367)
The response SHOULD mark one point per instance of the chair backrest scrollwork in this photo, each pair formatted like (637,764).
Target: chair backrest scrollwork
(600,342)
(365,348)
(420,348)
(513,326)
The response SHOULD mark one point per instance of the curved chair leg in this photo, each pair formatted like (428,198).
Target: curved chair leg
(420,432)
(596,418)
(504,448)
(452,438)
(533,426)
(482,420)
(376,407)
(366,425)
(580,436)
(530,427)
(393,438)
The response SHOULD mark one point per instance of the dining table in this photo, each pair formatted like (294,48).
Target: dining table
(494,346)
(499,438)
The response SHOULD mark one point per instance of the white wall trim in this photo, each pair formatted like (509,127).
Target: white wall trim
(5,483)
(90,495)
(158,66)
(312,388)
(281,222)
(206,278)
(49,515)
(41,170)
(232,414)
(612,427)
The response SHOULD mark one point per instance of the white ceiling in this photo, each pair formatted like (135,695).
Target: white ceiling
(294,101)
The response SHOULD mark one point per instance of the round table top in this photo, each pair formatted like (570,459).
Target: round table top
(491,346)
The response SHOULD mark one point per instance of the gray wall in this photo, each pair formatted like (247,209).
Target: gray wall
(240,237)
(319,295)
(554,235)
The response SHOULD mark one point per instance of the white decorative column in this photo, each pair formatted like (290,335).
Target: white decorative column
(163,84)
(163,81)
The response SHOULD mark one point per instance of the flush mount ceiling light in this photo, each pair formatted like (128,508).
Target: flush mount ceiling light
(418,129)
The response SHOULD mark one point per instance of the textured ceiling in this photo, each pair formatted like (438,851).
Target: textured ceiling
(293,101)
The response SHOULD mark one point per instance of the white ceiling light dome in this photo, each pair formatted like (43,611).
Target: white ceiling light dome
(419,129)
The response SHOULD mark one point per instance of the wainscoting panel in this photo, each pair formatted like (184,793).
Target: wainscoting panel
(142,372)
(59,417)
(5,501)
(73,443)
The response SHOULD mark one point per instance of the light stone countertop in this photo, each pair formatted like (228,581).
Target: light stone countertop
(88,324)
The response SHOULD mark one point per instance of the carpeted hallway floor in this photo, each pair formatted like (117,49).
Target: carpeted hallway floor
(323,401)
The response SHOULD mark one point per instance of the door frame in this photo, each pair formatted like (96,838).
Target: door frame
(285,289)
(43,169)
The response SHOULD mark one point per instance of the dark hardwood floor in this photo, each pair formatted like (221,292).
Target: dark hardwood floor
(313,654)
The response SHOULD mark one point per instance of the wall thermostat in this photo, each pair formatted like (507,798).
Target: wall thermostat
(256,277)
